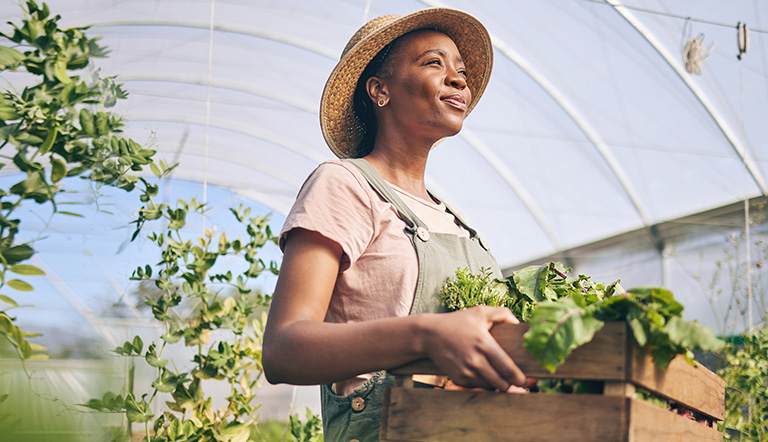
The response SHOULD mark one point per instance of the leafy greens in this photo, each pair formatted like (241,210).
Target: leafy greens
(565,312)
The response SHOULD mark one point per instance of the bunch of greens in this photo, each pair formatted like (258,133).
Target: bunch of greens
(565,312)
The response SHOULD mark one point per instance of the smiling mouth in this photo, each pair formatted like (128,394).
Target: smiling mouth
(456,101)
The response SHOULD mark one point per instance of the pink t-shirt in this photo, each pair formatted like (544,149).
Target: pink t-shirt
(379,268)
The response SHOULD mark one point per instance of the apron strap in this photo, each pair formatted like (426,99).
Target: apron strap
(386,192)
(472,232)
(411,220)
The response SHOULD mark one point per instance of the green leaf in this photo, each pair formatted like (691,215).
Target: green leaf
(153,167)
(137,411)
(7,111)
(152,358)
(235,432)
(557,328)
(9,57)
(58,170)
(692,335)
(86,121)
(167,382)
(19,285)
(188,398)
(60,71)
(26,269)
(8,300)
(33,187)
(638,331)
(64,212)
(102,123)
(526,280)
(172,338)
(49,140)
(138,344)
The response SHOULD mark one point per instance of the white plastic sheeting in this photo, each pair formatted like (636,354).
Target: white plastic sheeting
(590,127)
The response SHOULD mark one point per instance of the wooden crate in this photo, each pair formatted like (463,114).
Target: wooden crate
(419,414)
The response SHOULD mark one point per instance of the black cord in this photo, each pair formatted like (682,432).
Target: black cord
(668,14)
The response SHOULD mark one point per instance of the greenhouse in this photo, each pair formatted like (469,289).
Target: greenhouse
(624,140)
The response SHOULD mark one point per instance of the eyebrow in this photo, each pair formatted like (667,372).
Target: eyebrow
(440,52)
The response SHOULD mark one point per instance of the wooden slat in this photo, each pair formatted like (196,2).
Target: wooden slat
(605,357)
(478,416)
(614,388)
(649,423)
(695,387)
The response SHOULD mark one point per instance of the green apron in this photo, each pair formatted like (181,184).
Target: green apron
(357,417)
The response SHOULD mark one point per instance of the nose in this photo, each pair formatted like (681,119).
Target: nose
(456,79)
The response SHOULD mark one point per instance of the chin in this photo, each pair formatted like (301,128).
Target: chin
(455,129)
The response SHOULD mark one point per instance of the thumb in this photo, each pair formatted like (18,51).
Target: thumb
(501,315)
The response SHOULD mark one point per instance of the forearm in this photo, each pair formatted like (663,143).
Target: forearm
(312,352)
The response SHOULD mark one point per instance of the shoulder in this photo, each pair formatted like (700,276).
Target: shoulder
(339,173)
(336,201)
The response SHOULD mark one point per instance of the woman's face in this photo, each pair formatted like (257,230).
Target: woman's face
(426,91)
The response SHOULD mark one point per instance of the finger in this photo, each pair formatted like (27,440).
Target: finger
(505,366)
(517,390)
(494,378)
(501,314)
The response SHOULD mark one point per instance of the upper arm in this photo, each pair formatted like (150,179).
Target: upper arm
(306,280)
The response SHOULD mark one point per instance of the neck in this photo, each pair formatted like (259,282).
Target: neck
(401,162)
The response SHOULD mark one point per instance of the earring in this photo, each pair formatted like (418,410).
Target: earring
(382,102)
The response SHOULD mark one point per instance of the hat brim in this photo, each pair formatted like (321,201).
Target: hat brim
(340,126)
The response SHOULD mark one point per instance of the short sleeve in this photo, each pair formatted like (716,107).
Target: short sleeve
(336,203)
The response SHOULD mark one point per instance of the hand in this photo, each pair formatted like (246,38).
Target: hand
(460,343)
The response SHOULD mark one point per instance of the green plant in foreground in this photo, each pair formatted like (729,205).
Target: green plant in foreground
(309,431)
(565,312)
(746,392)
(56,128)
(210,311)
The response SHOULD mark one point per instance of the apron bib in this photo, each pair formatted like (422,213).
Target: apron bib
(357,417)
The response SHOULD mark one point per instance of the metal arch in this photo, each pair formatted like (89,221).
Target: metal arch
(285,39)
(590,132)
(472,140)
(69,295)
(509,177)
(263,198)
(302,105)
(572,111)
(729,133)
(264,135)
(270,137)
(538,214)
(251,131)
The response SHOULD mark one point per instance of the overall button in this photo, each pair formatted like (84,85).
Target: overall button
(422,233)
(358,404)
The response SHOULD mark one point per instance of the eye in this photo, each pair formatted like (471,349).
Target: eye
(463,72)
(435,61)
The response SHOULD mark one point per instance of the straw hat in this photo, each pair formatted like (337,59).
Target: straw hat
(341,127)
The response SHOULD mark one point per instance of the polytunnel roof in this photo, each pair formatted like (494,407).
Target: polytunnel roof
(590,125)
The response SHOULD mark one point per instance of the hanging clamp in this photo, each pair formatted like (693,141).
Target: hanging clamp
(742,35)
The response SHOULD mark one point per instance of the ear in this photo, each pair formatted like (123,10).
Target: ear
(376,89)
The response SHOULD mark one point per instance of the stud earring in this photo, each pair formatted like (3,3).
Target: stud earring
(382,102)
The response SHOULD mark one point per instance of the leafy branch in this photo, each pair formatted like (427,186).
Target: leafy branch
(199,302)
(57,128)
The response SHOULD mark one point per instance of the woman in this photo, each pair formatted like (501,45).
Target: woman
(366,246)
